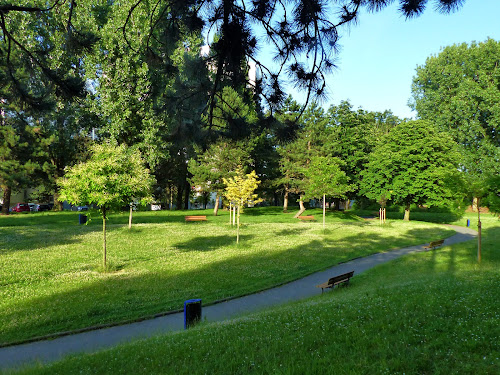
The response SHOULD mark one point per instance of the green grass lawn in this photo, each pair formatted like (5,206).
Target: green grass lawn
(434,312)
(49,265)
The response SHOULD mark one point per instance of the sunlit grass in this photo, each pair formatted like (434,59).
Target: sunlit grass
(51,281)
(432,312)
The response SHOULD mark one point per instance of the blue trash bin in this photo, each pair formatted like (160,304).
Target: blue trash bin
(82,219)
(468,223)
(192,312)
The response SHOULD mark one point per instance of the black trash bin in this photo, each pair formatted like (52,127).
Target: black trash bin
(192,312)
(82,219)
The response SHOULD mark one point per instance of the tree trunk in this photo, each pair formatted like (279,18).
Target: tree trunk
(58,205)
(285,202)
(178,201)
(347,204)
(216,207)
(336,204)
(171,202)
(186,195)
(230,213)
(478,231)
(104,238)
(238,227)
(324,210)
(130,218)
(205,200)
(234,214)
(6,199)
(302,208)
(407,213)
(475,204)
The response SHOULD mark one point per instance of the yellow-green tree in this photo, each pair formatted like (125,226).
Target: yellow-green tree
(113,177)
(240,191)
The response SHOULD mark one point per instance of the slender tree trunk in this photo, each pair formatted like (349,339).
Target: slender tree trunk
(324,210)
(104,237)
(478,231)
(58,205)
(285,202)
(347,204)
(186,195)
(178,201)
(216,207)
(234,214)
(336,204)
(230,212)
(238,226)
(302,208)
(407,213)
(130,218)
(171,203)
(6,199)
(475,204)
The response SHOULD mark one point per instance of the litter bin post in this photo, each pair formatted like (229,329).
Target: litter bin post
(82,219)
(468,223)
(192,312)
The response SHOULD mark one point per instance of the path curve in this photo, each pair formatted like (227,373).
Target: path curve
(92,341)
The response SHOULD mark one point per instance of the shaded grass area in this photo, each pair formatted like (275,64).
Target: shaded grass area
(50,283)
(433,312)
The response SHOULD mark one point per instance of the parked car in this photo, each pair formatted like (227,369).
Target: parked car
(42,207)
(32,207)
(82,208)
(21,207)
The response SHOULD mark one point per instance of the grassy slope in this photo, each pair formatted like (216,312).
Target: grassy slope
(436,312)
(50,283)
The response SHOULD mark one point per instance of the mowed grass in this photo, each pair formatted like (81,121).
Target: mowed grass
(435,312)
(49,265)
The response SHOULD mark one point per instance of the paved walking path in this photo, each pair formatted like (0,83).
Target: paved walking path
(52,350)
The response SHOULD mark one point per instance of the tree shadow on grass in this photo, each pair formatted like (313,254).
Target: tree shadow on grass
(210,243)
(129,295)
(291,231)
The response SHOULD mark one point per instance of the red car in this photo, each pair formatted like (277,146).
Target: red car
(21,207)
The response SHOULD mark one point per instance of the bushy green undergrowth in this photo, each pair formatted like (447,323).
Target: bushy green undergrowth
(435,312)
(50,281)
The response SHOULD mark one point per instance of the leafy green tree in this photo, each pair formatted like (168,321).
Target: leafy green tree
(296,155)
(415,163)
(351,136)
(303,34)
(325,177)
(23,156)
(219,161)
(240,190)
(459,89)
(113,177)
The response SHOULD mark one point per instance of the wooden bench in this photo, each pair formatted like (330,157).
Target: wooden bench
(306,218)
(337,280)
(195,218)
(433,245)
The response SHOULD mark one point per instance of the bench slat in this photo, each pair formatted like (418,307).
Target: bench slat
(336,280)
(195,218)
(434,244)
(307,217)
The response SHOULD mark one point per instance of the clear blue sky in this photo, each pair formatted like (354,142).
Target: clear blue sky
(379,55)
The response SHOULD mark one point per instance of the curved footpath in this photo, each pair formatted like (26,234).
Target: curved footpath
(52,350)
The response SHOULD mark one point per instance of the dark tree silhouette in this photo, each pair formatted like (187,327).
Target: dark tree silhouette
(303,34)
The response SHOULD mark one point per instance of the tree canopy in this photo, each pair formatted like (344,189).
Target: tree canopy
(112,178)
(303,34)
(414,163)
